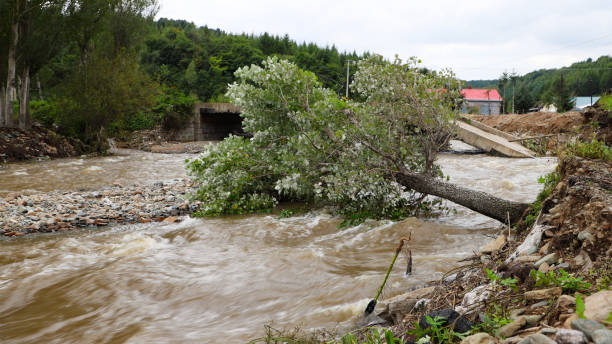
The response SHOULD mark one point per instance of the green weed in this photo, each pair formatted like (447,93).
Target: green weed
(561,279)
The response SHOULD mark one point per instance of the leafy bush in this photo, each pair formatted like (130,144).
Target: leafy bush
(231,179)
(45,111)
(174,108)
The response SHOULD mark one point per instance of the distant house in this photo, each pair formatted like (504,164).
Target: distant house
(487,101)
(581,102)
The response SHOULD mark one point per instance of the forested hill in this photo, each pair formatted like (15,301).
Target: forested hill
(202,60)
(585,78)
(93,69)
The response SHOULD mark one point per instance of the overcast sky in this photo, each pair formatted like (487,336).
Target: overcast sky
(477,39)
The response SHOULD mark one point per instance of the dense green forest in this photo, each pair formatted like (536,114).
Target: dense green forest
(585,78)
(93,68)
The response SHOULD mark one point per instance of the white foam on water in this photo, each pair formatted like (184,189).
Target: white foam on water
(72,163)
(93,168)
(21,173)
(343,311)
(507,185)
(135,243)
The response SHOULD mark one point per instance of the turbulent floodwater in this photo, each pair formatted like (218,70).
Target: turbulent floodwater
(220,280)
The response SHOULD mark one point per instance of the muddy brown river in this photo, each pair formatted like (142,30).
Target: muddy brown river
(221,280)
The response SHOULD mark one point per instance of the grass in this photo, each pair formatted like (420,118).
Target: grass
(550,181)
(590,150)
(606,102)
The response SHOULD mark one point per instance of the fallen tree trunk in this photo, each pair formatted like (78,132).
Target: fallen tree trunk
(481,202)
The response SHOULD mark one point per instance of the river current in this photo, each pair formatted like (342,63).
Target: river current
(221,280)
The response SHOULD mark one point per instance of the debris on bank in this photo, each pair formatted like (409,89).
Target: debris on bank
(546,283)
(17,144)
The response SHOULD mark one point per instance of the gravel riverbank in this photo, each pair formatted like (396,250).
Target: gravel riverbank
(59,211)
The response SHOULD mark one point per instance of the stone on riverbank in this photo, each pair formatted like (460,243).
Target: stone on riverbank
(598,306)
(60,211)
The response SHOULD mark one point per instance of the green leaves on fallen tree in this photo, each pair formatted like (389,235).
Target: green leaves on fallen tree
(310,146)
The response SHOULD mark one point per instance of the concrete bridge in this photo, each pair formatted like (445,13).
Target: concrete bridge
(215,121)
(211,122)
(491,140)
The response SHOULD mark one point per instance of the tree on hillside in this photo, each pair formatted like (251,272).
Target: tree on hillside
(524,100)
(561,97)
(370,159)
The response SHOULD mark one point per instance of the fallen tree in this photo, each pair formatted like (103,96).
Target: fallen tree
(371,157)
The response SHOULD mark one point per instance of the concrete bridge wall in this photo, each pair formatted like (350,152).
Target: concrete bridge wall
(211,121)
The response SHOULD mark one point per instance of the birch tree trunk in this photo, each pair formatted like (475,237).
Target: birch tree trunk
(481,202)
(24,98)
(40,93)
(11,70)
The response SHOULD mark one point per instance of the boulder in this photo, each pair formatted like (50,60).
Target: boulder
(602,337)
(537,338)
(510,329)
(548,259)
(479,338)
(543,294)
(599,305)
(565,336)
(494,245)
(587,326)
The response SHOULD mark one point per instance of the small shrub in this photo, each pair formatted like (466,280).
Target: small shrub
(494,318)
(562,279)
(436,332)
(550,181)
(590,150)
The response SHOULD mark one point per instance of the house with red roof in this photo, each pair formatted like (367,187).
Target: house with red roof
(482,101)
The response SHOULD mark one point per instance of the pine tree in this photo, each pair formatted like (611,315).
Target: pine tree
(562,98)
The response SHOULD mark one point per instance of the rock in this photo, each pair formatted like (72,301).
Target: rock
(538,304)
(545,248)
(563,266)
(528,259)
(549,259)
(398,309)
(544,268)
(566,302)
(512,340)
(568,322)
(565,336)
(585,235)
(537,338)
(548,330)
(602,337)
(587,326)
(478,294)
(532,320)
(583,261)
(172,219)
(510,329)
(598,306)
(450,316)
(543,294)
(494,245)
(393,309)
(516,312)
(479,338)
